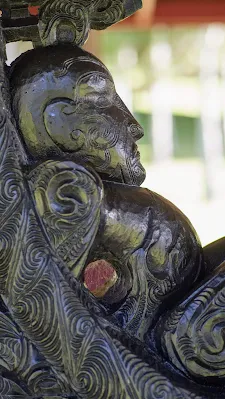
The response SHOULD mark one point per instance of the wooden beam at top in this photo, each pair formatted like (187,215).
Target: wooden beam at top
(145,16)
(174,12)
(189,11)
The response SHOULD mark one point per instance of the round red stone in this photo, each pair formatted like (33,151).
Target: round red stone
(99,277)
(33,10)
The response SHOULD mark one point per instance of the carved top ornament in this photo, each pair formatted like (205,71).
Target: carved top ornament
(105,290)
(61,21)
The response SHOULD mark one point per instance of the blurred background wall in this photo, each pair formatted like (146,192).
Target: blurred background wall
(168,62)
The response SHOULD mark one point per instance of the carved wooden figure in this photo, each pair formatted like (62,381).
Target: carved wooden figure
(105,290)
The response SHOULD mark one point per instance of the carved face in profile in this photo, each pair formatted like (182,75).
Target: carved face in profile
(66,106)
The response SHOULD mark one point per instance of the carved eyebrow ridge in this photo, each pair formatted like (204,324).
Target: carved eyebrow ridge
(71,61)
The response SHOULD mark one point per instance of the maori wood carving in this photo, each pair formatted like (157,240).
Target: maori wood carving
(105,290)
(61,21)
(193,334)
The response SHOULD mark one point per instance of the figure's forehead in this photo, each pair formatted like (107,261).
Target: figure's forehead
(83,67)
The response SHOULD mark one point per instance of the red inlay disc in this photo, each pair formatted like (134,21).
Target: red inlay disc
(99,277)
(33,10)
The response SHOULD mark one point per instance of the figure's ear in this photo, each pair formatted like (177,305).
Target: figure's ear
(62,125)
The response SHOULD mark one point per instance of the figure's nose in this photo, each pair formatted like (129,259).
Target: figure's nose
(136,131)
(134,128)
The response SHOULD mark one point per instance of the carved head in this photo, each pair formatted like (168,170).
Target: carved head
(66,107)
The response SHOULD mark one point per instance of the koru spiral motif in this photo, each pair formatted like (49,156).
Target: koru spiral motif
(193,337)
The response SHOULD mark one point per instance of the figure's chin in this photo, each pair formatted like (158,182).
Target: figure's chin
(141,178)
(134,177)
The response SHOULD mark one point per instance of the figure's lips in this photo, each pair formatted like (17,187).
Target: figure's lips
(136,153)
(136,171)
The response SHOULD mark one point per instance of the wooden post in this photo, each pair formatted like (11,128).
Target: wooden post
(162,117)
(144,17)
(211,110)
(93,44)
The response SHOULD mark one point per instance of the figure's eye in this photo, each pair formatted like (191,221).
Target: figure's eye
(76,134)
(104,101)
(97,89)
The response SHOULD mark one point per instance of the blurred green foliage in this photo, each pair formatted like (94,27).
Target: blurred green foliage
(136,58)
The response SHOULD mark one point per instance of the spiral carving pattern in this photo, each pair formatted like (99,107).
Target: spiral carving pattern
(107,13)
(20,262)
(11,195)
(146,382)
(68,200)
(10,390)
(71,14)
(194,336)
(71,20)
